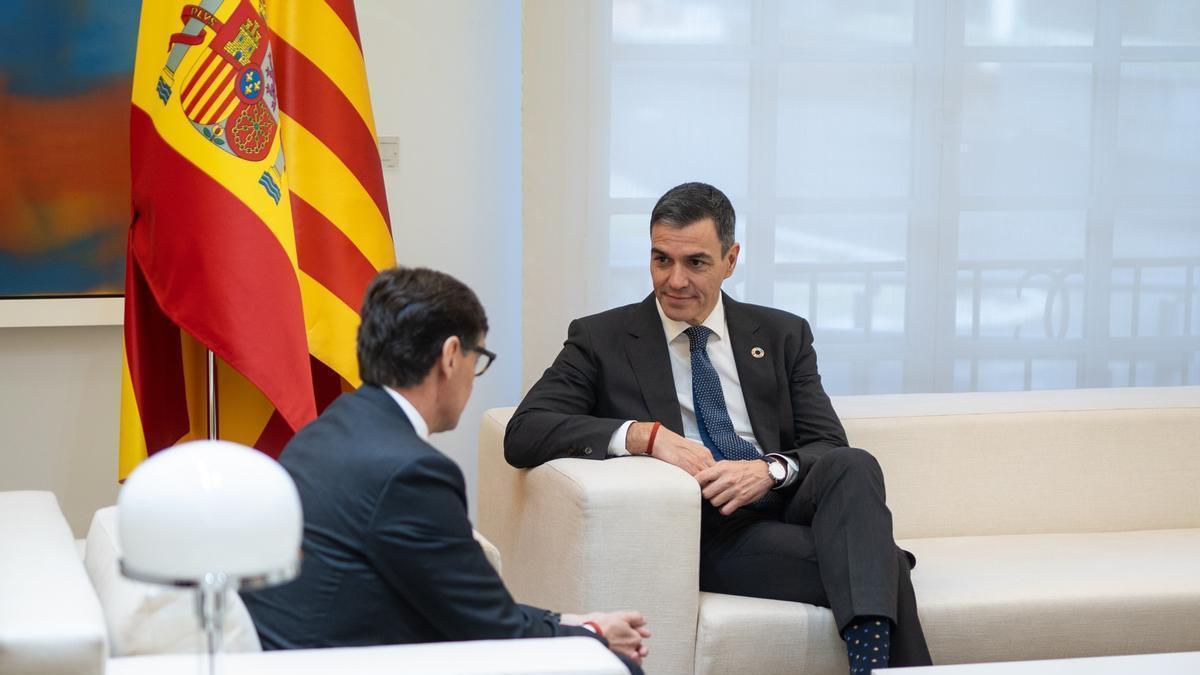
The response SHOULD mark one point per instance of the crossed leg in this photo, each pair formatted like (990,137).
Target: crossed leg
(831,545)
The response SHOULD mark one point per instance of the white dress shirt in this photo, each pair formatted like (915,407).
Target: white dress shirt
(720,353)
(411,413)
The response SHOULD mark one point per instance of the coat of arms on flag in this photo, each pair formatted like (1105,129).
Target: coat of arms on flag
(227,90)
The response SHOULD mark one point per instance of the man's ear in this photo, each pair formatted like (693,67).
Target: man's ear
(451,353)
(732,257)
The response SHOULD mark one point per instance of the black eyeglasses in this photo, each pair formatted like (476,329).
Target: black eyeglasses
(485,360)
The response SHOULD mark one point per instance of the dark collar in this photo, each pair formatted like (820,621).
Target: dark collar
(374,395)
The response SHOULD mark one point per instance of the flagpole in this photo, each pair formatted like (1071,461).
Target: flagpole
(212,395)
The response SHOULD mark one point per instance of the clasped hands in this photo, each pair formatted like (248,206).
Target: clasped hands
(623,630)
(728,485)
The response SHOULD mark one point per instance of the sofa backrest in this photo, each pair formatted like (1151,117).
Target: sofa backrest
(150,619)
(50,619)
(1091,460)
(1080,460)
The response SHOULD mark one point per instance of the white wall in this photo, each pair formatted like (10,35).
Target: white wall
(554,126)
(445,78)
(59,401)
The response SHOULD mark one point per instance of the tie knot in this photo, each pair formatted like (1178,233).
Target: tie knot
(698,337)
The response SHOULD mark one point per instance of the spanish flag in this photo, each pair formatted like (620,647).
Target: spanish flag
(259,218)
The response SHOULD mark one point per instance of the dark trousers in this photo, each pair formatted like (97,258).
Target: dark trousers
(830,544)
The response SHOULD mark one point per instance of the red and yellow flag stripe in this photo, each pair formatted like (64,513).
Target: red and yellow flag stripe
(262,261)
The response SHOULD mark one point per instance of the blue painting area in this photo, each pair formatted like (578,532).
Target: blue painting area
(62,271)
(61,47)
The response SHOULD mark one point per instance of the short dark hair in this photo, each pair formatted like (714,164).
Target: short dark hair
(684,204)
(407,315)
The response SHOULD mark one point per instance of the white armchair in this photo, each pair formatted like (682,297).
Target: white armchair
(576,535)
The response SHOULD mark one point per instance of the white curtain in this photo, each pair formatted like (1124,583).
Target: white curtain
(959,195)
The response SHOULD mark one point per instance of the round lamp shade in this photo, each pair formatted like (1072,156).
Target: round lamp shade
(209,507)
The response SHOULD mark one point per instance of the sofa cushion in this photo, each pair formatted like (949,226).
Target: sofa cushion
(1058,595)
(751,635)
(991,598)
(50,620)
(148,619)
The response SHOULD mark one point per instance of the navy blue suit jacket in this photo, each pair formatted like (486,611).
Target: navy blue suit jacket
(389,555)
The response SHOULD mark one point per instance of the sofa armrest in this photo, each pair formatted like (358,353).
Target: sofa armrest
(50,619)
(585,535)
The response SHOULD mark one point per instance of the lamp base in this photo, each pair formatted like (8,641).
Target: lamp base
(210,598)
(210,609)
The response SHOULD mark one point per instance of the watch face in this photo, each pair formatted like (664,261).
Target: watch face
(777,470)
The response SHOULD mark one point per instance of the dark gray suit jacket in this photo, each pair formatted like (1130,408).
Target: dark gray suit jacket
(615,367)
(389,555)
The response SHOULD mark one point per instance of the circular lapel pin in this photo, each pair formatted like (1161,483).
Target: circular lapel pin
(757,352)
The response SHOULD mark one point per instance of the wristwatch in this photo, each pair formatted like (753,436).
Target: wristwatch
(777,470)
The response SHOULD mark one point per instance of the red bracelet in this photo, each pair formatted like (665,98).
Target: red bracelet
(653,433)
(595,627)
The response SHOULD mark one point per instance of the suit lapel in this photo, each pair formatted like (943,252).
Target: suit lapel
(646,347)
(757,375)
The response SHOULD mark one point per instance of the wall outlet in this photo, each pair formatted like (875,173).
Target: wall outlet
(389,151)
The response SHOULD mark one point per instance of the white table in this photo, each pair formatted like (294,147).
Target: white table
(565,656)
(1180,663)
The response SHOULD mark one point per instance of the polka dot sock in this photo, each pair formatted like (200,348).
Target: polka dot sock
(868,640)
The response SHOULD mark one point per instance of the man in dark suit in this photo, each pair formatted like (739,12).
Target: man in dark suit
(389,555)
(730,393)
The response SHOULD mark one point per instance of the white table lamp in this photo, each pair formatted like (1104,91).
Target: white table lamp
(214,516)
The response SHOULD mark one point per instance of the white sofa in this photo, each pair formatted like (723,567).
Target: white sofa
(1046,525)
(60,615)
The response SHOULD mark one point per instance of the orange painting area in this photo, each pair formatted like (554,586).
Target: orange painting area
(64,169)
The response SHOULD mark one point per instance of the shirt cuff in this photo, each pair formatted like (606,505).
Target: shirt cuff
(793,469)
(616,445)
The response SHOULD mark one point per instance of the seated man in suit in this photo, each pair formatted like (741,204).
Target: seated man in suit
(730,393)
(389,555)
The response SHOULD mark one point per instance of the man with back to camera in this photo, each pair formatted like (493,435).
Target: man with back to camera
(389,555)
(730,393)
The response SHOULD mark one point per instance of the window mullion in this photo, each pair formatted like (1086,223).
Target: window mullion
(760,208)
(1106,76)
